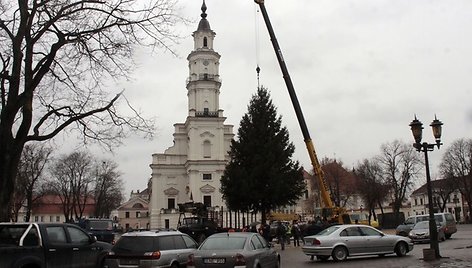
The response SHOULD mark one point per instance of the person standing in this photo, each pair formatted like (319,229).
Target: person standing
(296,233)
(281,232)
(264,230)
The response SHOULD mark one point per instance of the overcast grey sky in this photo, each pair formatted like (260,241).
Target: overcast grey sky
(361,70)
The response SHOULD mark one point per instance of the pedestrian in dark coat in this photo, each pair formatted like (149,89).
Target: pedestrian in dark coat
(281,233)
(296,233)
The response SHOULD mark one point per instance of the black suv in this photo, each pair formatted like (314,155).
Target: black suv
(102,229)
(151,249)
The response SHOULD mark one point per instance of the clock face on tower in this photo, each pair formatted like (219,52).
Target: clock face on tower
(205,62)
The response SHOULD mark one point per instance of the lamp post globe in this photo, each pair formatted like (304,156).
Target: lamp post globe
(417,130)
(436,125)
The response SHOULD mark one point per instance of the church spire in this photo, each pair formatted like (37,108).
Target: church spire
(204,25)
(204,9)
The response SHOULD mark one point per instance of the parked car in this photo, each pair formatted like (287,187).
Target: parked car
(102,229)
(420,232)
(405,228)
(235,249)
(151,249)
(343,241)
(148,249)
(445,219)
(448,223)
(49,245)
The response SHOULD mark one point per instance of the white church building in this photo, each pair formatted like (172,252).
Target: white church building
(191,169)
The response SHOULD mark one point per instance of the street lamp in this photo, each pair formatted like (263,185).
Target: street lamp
(417,129)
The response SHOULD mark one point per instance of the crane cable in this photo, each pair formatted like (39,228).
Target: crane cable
(256,27)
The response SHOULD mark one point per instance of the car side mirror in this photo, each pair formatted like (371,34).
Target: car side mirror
(93,239)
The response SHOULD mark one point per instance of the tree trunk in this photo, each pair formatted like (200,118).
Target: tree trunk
(10,152)
(263,216)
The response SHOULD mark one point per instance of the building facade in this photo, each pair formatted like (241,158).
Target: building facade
(191,169)
(446,198)
(134,213)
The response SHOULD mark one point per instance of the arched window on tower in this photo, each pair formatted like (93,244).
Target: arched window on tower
(206,149)
(205,42)
(206,110)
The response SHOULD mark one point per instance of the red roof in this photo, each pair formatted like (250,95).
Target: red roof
(52,204)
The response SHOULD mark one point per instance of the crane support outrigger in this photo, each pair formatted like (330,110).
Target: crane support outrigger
(333,211)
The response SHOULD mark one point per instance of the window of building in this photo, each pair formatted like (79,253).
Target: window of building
(138,214)
(207,176)
(416,202)
(127,214)
(207,200)
(58,218)
(36,218)
(205,42)
(166,223)
(50,218)
(171,203)
(421,201)
(206,111)
(206,149)
(42,218)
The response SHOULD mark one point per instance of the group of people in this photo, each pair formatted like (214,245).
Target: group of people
(285,231)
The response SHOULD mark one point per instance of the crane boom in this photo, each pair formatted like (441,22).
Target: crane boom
(298,110)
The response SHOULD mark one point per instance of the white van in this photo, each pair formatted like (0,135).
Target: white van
(444,218)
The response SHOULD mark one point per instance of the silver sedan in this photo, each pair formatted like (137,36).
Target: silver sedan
(236,249)
(420,232)
(342,241)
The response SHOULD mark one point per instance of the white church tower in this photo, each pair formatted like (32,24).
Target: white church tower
(191,169)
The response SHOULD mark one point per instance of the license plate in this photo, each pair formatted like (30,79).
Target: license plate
(129,262)
(214,261)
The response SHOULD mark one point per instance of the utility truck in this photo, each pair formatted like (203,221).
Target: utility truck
(196,220)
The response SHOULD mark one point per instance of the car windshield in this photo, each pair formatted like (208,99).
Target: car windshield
(422,225)
(223,243)
(328,230)
(136,244)
(100,224)
(190,221)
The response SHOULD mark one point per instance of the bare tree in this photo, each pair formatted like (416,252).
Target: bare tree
(341,182)
(72,180)
(57,59)
(371,186)
(442,190)
(30,177)
(400,165)
(108,190)
(457,163)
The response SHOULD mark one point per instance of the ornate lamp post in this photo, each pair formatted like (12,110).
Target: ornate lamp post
(417,130)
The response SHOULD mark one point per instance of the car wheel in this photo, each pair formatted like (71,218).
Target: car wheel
(174,265)
(277,265)
(401,249)
(339,253)
(322,258)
